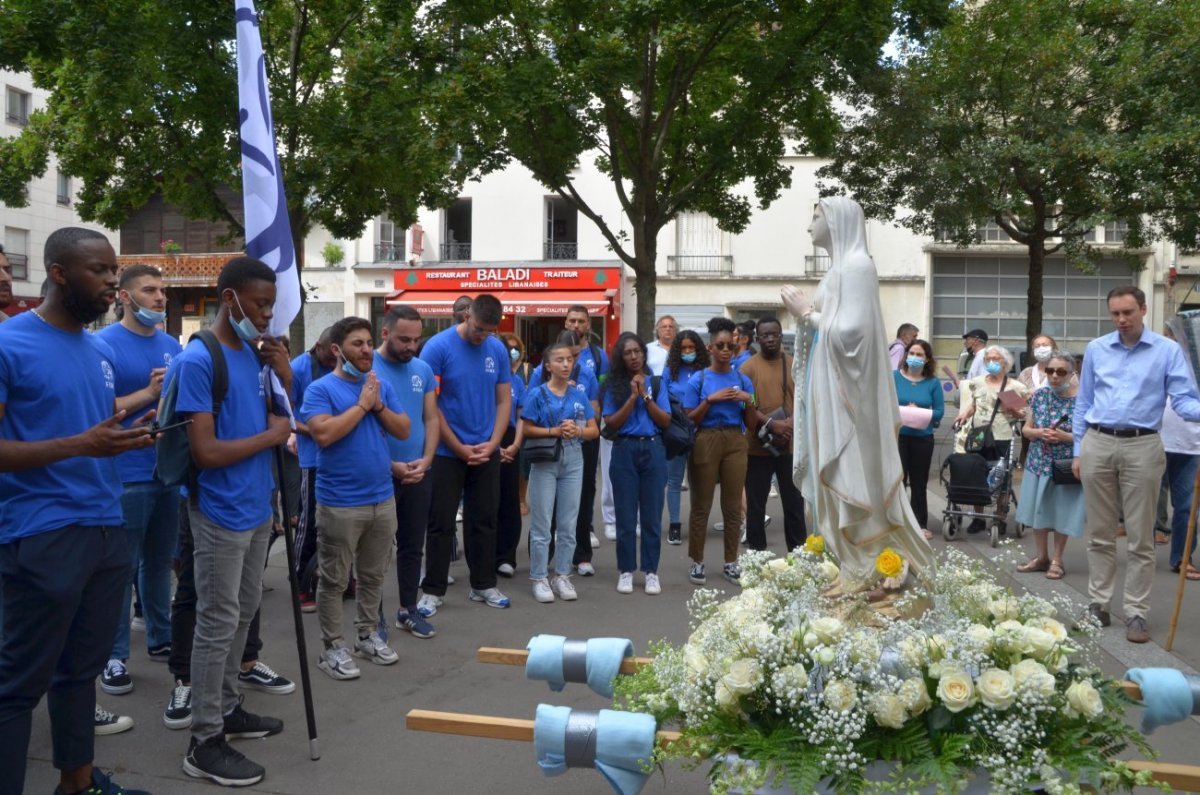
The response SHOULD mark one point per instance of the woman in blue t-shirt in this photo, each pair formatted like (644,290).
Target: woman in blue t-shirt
(916,385)
(635,411)
(720,400)
(686,357)
(556,409)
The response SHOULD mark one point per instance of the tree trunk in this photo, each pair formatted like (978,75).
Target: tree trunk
(1037,272)
(645,251)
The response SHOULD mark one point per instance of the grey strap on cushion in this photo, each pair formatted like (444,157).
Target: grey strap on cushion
(1193,681)
(574,661)
(579,742)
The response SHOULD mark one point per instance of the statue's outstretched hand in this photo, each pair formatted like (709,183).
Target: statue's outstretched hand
(795,300)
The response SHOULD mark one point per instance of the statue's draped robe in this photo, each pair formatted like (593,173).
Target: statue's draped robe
(847,464)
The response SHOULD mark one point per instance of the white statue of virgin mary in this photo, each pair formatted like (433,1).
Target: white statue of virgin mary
(847,418)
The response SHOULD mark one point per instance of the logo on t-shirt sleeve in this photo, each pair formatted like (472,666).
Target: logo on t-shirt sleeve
(418,385)
(489,365)
(107,370)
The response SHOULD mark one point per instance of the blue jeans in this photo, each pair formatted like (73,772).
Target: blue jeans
(151,530)
(1181,475)
(554,486)
(676,468)
(638,471)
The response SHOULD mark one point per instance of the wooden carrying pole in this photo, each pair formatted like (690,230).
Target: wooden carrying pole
(495,656)
(494,728)
(1184,563)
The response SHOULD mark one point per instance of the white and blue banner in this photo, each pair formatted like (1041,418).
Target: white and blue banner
(268,230)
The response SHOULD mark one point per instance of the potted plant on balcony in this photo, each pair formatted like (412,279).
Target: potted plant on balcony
(333,254)
(170,248)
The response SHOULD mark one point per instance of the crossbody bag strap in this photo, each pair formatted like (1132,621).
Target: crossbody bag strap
(996,405)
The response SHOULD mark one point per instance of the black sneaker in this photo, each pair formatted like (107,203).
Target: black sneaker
(103,785)
(160,653)
(178,714)
(240,723)
(261,677)
(115,679)
(214,759)
(977,526)
(675,534)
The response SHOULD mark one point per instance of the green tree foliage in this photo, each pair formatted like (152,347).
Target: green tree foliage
(684,104)
(143,98)
(1008,116)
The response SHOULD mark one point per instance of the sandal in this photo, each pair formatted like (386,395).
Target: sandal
(1056,571)
(1034,564)
(928,534)
(1192,572)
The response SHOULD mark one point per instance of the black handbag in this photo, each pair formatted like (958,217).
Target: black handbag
(981,440)
(680,435)
(543,449)
(1062,475)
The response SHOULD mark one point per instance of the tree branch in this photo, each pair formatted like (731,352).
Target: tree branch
(575,200)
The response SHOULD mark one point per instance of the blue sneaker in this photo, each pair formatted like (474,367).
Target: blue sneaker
(103,785)
(414,623)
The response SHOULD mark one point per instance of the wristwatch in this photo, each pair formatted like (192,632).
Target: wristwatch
(646,398)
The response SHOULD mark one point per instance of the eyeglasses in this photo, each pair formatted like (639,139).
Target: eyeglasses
(724,346)
(1060,371)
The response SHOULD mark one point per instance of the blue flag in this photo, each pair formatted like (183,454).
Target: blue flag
(268,231)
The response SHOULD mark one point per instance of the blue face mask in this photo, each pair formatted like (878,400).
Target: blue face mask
(147,317)
(1063,387)
(514,353)
(914,363)
(688,357)
(350,369)
(993,368)
(244,328)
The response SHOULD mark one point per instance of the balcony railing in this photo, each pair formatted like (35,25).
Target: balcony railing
(388,252)
(456,252)
(553,250)
(816,264)
(700,265)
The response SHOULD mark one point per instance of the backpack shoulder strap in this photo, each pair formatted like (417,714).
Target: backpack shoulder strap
(220,374)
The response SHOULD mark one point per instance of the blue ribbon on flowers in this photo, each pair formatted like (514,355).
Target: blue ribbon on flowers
(1168,695)
(618,744)
(595,662)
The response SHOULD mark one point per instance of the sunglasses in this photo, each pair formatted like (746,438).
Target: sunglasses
(724,346)
(1061,371)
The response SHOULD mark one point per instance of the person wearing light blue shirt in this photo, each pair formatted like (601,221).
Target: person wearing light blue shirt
(1126,379)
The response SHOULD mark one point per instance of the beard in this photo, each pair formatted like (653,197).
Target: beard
(403,357)
(78,307)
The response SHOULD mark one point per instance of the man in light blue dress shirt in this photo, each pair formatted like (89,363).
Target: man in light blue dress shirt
(1126,379)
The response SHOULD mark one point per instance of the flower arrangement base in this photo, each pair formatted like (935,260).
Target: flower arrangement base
(878,771)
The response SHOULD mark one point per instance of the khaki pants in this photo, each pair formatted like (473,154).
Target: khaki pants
(1116,474)
(362,535)
(718,457)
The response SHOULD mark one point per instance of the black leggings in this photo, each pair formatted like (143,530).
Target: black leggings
(916,454)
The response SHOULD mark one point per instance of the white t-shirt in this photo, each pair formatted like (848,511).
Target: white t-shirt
(656,357)
(1179,435)
(977,365)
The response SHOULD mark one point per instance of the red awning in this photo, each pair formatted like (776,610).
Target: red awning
(529,303)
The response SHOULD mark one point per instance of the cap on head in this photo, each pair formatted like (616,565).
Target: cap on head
(978,334)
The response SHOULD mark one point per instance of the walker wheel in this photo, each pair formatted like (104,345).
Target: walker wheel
(1019,529)
(951,526)
(995,532)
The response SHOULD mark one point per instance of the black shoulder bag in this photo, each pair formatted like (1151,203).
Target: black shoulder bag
(543,449)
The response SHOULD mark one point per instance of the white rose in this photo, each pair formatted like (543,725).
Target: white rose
(981,636)
(1004,608)
(913,651)
(826,655)
(1011,633)
(696,660)
(811,641)
(935,670)
(743,677)
(726,698)
(1032,675)
(888,710)
(1050,625)
(828,629)
(996,688)
(1057,663)
(840,695)
(829,570)
(1084,700)
(791,677)
(937,647)
(778,565)
(915,695)
(956,691)
(755,635)
(1038,642)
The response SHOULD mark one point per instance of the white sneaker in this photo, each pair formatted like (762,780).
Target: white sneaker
(506,570)
(610,532)
(137,624)
(428,604)
(563,588)
(336,662)
(490,597)
(542,591)
(652,585)
(375,649)
(625,582)
(586,569)
(449,579)
(638,530)
(743,534)
(719,527)
(595,540)
(108,723)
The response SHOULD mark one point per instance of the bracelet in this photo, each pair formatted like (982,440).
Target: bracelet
(365,410)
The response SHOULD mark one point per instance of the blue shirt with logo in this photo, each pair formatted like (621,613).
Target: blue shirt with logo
(355,470)
(236,497)
(519,388)
(639,422)
(722,414)
(467,379)
(677,387)
(581,377)
(136,356)
(302,378)
(588,361)
(547,410)
(411,381)
(53,384)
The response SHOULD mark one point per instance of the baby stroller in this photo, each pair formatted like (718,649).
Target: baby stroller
(970,479)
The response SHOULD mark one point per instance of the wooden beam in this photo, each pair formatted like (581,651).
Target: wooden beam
(497,656)
(1184,778)
(494,728)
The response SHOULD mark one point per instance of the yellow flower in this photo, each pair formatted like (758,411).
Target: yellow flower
(814,544)
(889,563)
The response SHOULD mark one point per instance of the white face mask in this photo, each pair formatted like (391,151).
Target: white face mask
(1042,353)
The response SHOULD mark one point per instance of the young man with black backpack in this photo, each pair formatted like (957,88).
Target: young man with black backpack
(229,509)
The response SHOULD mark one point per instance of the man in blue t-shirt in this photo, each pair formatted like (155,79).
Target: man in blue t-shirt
(412,380)
(63,557)
(142,355)
(474,402)
(350,415)
(230,515)
(306,368)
